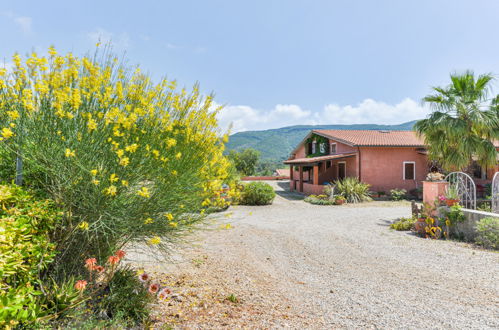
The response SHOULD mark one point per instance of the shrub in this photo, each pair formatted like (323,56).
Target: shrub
(455,214)
(353,190)
(127,160)
(398,194)
(318,200)
(25,254)
(488,233)
(125,296)
(403,224)
(257,193)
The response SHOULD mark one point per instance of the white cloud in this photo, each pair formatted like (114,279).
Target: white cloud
(369,111)
(23,22)
(121,41)
(172,46)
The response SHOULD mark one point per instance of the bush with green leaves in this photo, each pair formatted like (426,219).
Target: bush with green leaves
(319,200)
(257,193)
(403,224)
(398,194)
(353,190)
(127,160)
(488,233)
(25,255)
(126,296)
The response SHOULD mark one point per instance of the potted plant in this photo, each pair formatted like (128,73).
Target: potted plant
(339,200)
(434,177)
(451,196)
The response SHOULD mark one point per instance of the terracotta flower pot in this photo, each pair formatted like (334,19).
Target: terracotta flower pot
(451,202)
(339,201)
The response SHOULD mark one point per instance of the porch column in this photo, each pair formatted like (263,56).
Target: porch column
(300,182)
(316,175)
(291,180)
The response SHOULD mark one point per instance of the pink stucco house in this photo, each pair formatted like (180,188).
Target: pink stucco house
(384,159)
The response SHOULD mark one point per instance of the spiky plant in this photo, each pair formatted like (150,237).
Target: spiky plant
(353,190)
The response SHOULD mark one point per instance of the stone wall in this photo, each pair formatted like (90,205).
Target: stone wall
(466,229)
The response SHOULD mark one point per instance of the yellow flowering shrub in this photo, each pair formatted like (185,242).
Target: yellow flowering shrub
(114,149)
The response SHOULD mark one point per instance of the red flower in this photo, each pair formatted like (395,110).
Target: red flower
(99,269)
(144,277)
(80,285)
(90,263)
(163,294)
(153,288)
(120,254)
(113,260)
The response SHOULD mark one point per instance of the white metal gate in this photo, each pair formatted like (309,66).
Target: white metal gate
(495,193)
(465,187)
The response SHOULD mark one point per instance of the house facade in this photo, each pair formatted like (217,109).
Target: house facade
(384,159)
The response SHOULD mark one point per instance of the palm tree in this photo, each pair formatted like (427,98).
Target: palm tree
(464,122)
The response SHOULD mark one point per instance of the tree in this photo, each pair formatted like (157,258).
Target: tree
(464,122)
(245,160)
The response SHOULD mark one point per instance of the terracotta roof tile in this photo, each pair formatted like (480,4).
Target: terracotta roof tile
(374,138)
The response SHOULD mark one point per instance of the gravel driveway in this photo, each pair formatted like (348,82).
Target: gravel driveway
(341,267)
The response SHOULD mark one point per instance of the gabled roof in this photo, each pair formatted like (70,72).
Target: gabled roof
(372,138)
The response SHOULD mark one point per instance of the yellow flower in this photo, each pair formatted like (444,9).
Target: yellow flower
(154,241)
(173,224)
(113,178)
(7,133)
(132,147)
(13,114)
(178,155)
(69,153)
(144,192)
(111,190)
(169,216)
(94,172)
(124,183)
(171,142)
(174,172)
(148,221)
(95,182)
(92,124)
(83,225)
(120,152)
(124,161)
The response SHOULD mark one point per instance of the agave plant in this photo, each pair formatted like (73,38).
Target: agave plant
(353,190)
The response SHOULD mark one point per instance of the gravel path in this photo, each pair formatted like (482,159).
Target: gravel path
(305,266)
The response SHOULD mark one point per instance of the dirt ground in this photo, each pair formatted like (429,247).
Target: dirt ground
(296,265)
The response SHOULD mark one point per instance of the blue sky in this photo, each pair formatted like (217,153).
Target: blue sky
(278,63)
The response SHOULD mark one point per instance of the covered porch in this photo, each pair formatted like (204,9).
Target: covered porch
(309,175)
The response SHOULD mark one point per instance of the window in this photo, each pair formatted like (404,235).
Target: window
(333,148)
(314,147)
(409,170)
(328,164)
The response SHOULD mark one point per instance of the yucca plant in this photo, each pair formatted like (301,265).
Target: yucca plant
(353,190)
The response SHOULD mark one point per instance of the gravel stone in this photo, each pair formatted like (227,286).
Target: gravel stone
(311,266)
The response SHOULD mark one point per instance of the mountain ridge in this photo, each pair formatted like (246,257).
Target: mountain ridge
(275,144)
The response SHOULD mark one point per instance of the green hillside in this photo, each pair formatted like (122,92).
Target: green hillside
(277,144)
